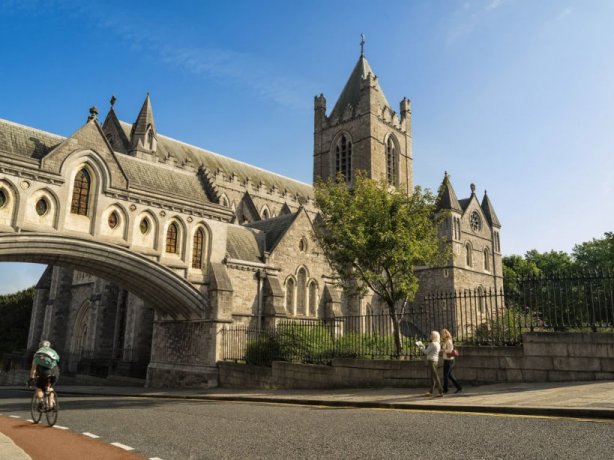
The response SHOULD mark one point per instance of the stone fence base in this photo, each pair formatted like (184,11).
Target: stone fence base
(544,357)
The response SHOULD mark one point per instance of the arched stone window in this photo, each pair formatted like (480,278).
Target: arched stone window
(290,286)
(172,236)
(198,249)
(313,299)
(468,255)
(81,193)
(391,162)
(42,206)
(113,220)
(150,139)
(486,259)
(265,213)
(301,291)
(343,157)
(224,200)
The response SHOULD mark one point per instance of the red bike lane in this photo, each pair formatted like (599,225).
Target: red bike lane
(41,442)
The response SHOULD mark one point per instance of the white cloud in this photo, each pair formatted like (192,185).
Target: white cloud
(494,4)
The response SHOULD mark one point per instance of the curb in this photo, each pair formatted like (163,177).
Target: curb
(563,412)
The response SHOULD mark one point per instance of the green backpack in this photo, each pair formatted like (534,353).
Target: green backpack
(46,357)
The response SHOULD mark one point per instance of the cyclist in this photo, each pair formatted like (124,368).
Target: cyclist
(45,371)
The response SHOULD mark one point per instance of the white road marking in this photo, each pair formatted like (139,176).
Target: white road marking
(30,420)
(122,446)
(91,435)
(14,416)
(60,427)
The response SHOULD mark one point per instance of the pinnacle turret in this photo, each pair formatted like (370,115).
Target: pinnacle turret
(447,197)
(143,136)
(489,211)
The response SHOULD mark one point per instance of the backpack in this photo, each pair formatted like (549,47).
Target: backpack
(46,359)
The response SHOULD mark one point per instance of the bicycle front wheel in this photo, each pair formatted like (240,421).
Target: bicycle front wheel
(34,410)
(53,407)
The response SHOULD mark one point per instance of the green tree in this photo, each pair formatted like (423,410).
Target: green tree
(375,236)
(595,254)
(15,311)
(515,267)
(551,261)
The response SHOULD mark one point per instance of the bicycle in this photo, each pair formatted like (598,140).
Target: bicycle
(49,405)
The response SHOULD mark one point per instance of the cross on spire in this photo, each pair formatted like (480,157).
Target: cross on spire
(362,44)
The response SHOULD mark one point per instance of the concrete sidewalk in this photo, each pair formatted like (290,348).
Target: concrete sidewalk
(569,399)
(9,450)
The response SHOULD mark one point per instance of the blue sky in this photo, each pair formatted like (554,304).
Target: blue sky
(514,95)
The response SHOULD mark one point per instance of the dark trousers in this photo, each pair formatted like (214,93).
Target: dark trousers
(448,365)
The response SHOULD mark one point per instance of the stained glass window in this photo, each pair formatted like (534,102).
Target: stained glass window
(81,193)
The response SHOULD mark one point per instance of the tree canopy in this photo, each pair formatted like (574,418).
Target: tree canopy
(597,254)
(15,310)
(375,236)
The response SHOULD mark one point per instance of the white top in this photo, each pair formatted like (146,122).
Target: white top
(446,348)
(432,351)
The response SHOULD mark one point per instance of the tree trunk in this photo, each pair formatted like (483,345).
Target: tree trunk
(396,330)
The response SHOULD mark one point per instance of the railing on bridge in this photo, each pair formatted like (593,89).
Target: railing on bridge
(562,302)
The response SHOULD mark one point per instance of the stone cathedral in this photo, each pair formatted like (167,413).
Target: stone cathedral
(237,237)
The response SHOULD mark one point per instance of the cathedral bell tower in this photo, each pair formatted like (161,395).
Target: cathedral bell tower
(363,133)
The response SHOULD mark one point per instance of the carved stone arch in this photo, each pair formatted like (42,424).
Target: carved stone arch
(487,261)
(146,237)
(290,295)
(468,254)
(167,291)
(34,214)
(8,211)
(122,226)
(95,163)
(336,142)
(205,250)
(265,212)
(392,151)
(302,276)
(224,201)
(313,297)
(80,332)
(181,243)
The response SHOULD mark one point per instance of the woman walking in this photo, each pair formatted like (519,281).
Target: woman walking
(432,358)
(447,347)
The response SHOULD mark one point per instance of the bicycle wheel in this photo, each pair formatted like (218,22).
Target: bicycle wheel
(34,412)
(53,407)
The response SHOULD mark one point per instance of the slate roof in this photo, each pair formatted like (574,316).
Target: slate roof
(242,244)
(26,142)
(351,91)
(167,181)
(274,228)
(214,162)
(447,198)
(19,140)
(464,203)
(489,212)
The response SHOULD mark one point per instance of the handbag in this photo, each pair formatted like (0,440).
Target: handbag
(454,353)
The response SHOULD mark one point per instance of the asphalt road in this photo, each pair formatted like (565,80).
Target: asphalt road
(178,429)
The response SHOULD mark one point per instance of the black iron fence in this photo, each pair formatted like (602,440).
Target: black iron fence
(562,302)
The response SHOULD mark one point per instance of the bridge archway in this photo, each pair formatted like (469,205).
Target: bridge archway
(168,293)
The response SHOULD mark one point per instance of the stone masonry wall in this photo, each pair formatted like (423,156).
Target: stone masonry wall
(545,357)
